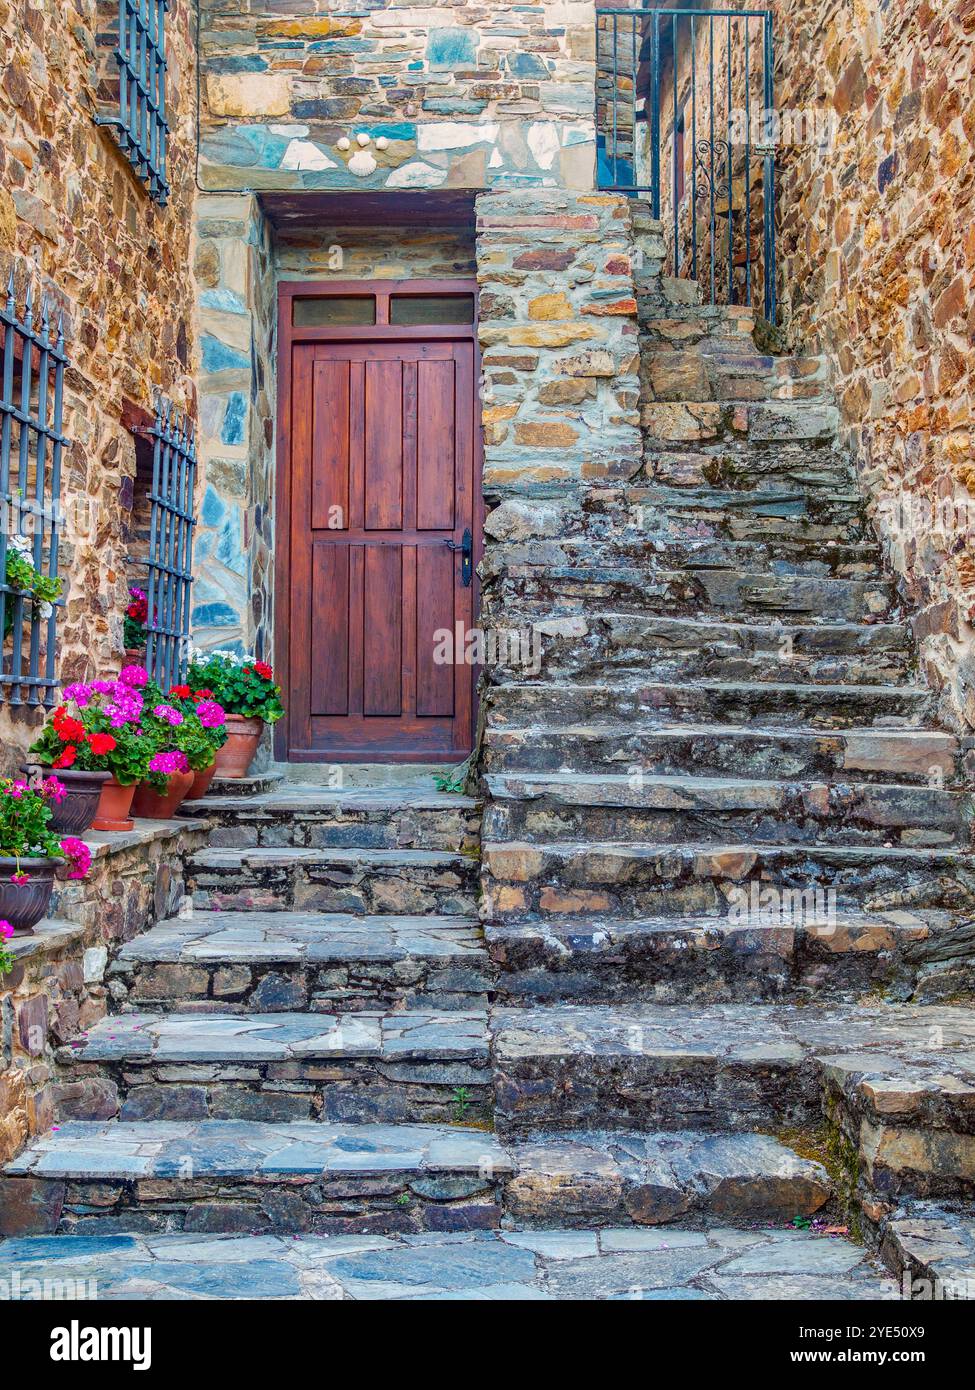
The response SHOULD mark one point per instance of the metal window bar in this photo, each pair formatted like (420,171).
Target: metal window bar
(170,559)
(141,127)
(655,67)
(31,449)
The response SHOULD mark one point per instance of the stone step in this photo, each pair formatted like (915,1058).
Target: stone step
(674,809)
(266,962)
(493,1266)
(923,756)
(641,880)
(796,504)
(768,704)
(760,425)
(219,1176)
(532,592)
(666,550)
(688,648)
(320,817)
(669,375)
(358,881)
(895,1083)
(776,948)
(384,1067)
(89,1178)
(930,1249)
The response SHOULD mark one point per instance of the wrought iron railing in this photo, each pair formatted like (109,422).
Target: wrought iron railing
(31,447)
(140,127)
(684,113)
(170,558)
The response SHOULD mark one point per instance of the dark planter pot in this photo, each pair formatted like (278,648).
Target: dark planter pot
(77,811)
(24,904)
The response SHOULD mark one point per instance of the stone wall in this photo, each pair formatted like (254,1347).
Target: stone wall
(876,268)
(76,221)
(443,96)
(233,559)
(58,984)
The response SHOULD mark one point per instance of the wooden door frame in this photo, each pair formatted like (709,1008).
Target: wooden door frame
(288,336)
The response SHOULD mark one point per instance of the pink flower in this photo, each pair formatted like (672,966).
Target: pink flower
(168,763)
(17,789)
(20,877)
(80,693)
(210,714)
(54,790)
(78,856)
(171,716)
(6,930)
(134,676)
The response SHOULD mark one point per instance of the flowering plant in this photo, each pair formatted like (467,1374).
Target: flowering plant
(136,617)
(21,575)
(240,684)
(186,728)
(24,831)
(99,728)
(6,957)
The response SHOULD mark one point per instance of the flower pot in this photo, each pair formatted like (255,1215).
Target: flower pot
(201,782)
(148,804)
(243,735)
(24,904)
(74,815)
(113,807)
(134,656)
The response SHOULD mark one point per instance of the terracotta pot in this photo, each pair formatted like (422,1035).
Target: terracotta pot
(148,804)
(24,904)
(113,807)
(235,757)
(201,783)
(78,809)
(134,656)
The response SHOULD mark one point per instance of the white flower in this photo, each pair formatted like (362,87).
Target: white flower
(45,609)
(22,545)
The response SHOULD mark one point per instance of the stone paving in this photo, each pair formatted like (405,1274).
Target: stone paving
(721,1263)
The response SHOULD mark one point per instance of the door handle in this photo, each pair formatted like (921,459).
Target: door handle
(466,549)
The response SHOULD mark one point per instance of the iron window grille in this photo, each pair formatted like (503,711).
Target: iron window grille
(31,449)
(140,126)
(170,559)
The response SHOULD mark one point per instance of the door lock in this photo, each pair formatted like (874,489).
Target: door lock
(466,549)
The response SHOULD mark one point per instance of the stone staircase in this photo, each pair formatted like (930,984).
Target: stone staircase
(702,960)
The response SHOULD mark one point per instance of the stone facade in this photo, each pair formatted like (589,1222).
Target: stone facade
(397,96)
(876,268)
(76,221)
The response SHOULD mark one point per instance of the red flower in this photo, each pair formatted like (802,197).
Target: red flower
(202,694)
(263,669)
(181,692)
(101,743)
(68,755)
(66,728)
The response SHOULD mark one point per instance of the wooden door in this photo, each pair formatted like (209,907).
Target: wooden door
(381,491)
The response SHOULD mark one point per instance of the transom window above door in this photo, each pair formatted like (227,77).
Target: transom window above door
(397,307)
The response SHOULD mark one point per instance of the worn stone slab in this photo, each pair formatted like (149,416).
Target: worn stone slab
(484,1266)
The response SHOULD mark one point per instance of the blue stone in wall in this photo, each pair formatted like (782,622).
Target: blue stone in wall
(213,510)
(223,299)
(450,48)
(229,551)
(215,615)
(232,431)
(218,356)
(528,65)
(242,62)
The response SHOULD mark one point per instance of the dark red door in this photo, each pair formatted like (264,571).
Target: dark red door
(382,488)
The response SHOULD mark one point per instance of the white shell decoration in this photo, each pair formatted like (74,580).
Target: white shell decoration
(362,164)
(362,139)
(382,143)
(344,144)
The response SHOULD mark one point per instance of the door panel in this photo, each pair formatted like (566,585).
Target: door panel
(382,478)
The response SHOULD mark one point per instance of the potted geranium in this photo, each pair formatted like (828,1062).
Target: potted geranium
(95,742)
(134,627)
(31,852)
(246,690)
(202,734)
(183,746)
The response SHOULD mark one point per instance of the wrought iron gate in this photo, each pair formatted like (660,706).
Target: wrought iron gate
(684,116)
(170,560)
